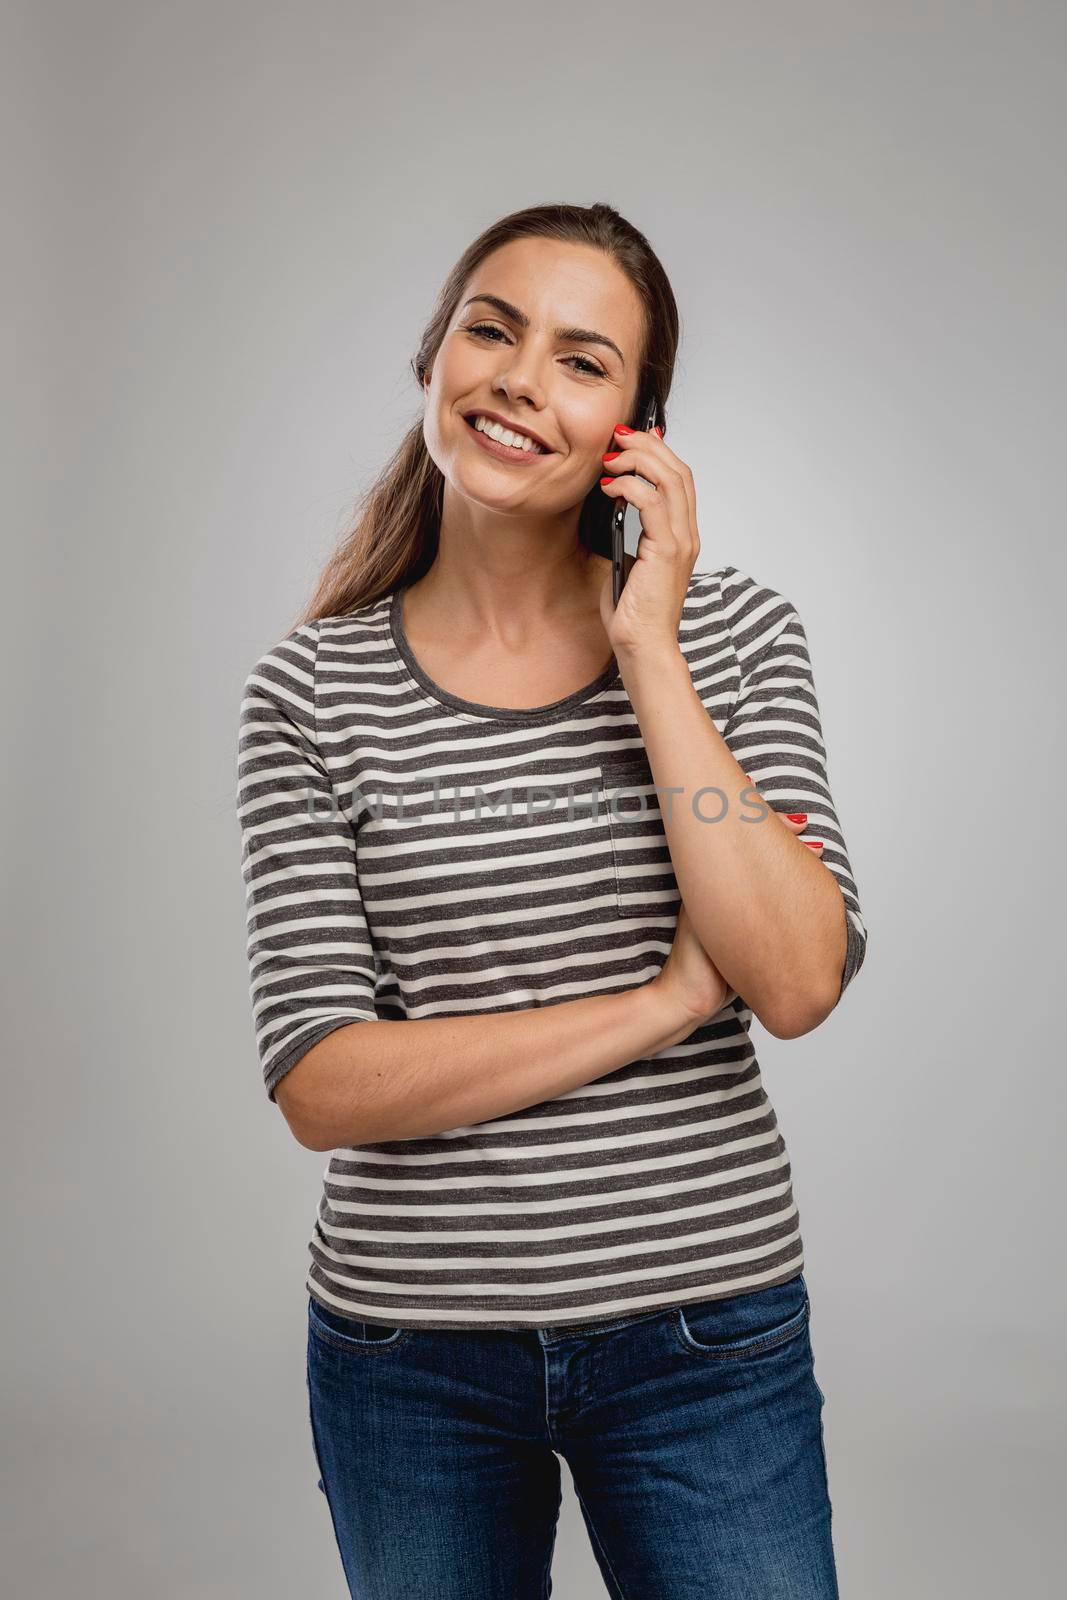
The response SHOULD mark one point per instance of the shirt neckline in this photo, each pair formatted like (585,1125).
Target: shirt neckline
(545,713)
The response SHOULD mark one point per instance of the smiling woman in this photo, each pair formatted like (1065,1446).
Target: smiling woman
(556,1186)
(599,264)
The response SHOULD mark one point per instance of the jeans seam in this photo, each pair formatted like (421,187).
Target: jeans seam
(546,1576)
(318,1458)
(599,1543)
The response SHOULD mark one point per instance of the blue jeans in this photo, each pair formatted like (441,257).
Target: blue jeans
(693,1436)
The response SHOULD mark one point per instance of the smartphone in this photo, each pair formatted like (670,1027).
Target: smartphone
(623,544)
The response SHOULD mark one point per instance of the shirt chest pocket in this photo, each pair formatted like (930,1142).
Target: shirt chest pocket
(645,884)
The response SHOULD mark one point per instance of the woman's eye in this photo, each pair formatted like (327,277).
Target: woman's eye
(486,329)
(587,365)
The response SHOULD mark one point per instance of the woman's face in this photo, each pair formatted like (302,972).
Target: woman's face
(554,351)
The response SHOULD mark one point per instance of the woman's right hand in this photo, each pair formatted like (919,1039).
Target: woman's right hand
(692,979)
(695,985)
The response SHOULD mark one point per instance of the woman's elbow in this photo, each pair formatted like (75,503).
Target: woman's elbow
(292,1103)
(799,1013)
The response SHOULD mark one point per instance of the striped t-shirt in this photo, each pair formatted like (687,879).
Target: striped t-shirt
(386,879)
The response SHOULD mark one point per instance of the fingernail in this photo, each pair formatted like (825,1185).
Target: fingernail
(813,844)
(610,455)
(603,481)
(621,428)
(797,816)
(659,430)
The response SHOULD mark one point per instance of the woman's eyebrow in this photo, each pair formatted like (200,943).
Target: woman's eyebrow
(576,335)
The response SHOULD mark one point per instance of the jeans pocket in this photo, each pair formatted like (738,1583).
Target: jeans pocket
(349,1334)
(645,885)
(744,1325)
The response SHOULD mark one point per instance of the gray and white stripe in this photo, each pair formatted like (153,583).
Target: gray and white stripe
(373,893)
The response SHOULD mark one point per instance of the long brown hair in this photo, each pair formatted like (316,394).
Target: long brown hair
(393,540)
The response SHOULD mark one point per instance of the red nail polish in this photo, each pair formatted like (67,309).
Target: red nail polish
(797,816)
(611,454)
(606,480)
(621,429)
(658,430)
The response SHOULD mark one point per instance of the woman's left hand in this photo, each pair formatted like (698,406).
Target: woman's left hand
(795,821)
(649,611)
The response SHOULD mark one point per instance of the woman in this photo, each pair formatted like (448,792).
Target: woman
(522,867)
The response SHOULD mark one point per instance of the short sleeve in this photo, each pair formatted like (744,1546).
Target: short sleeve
(775,732)
(311,961)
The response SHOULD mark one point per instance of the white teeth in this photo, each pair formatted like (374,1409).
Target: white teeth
(506,435)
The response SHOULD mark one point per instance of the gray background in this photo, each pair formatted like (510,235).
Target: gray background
(230,223)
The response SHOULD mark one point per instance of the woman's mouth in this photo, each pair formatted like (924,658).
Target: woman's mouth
(522,455)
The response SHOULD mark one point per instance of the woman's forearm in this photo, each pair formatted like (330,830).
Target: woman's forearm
(377,1081)
(768,913)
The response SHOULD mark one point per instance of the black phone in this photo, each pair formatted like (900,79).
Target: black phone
(624,554)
